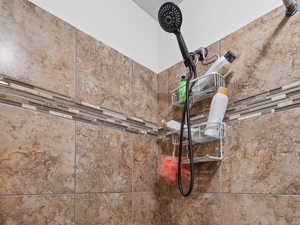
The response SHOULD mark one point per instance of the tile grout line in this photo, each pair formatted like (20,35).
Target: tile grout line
(67,194)
(75,130)
(131,193)
(75,172)
(221,170)
(132,148)
(132,168)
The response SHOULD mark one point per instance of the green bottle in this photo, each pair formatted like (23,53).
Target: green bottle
(182,89)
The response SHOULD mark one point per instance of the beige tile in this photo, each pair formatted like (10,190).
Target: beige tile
(207,175)
(194,210)
(105,75)
(37,210)
(108,209)
(104,159)
(144,163)
(36,153)
(262,155)
(144,90)
(268,54)
(261,209)
(145,209)
(163,95)
(38,47)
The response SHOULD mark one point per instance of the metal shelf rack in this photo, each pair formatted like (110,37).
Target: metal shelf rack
(204,86)
(198,136)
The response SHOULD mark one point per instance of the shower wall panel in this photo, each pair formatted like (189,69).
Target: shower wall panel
(258,180)
(56,170)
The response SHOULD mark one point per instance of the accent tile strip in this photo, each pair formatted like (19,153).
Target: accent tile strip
(278,99)
(20,94)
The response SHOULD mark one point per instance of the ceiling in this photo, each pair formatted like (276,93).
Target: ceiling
(152,6)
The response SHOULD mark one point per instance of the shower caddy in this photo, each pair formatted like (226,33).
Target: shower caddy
(213,81)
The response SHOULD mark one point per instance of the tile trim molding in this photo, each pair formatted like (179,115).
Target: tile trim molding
(27,96)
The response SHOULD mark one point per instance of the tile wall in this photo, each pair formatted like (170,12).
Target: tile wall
(56,170)
(60,171)
(258,180)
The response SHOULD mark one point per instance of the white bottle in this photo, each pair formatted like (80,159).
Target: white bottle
(222,61)
(208,81)
(217,112)
(175,126)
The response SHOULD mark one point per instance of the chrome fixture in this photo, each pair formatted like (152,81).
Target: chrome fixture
(292,7)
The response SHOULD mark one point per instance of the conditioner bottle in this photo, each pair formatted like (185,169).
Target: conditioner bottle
(217,112)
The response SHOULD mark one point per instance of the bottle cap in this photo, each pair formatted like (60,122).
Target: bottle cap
(164,123)
(230,56)
(223,90)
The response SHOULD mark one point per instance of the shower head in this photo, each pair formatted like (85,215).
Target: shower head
(291,7)
(170,17)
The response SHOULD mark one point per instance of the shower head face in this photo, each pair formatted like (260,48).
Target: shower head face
(170,17)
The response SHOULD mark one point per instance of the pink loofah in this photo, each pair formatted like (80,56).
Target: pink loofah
(169,168)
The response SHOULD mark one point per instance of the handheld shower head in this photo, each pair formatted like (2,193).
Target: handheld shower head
(170,17)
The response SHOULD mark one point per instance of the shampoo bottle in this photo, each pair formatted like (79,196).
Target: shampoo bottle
(182,89)
(217,112)
(208,81)
(228,58)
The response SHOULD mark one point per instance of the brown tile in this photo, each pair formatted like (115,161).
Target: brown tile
(145,209)
(36,47)
(207,175)
(267,51)
(261,209)
(36,153)
(144,88)
(262,155)
(105,75)
(108,209)
(37,210)
(196,209)
(163,95)
(104,159)
(145,163)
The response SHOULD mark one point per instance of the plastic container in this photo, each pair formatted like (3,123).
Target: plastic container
(217,112)
(182,89)
(222,61)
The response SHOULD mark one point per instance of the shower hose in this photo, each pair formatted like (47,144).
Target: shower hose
(186,119)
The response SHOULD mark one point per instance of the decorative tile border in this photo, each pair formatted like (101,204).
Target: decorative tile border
(275,100)
(23,95)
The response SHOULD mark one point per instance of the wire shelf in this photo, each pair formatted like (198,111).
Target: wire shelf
(203,159)
(204,87)
(199,136)
(198,133)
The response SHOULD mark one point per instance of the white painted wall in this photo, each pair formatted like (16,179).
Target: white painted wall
(208,21)
(124,26)
(120,24)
